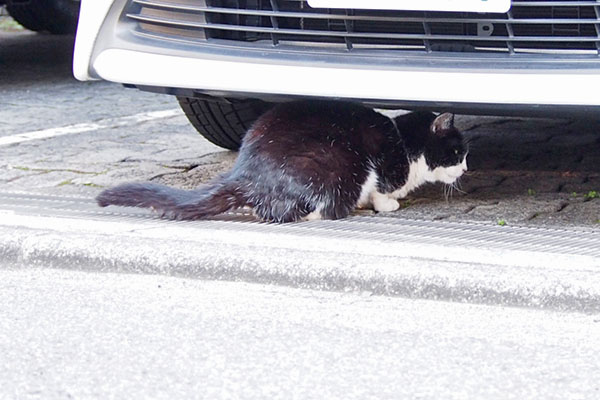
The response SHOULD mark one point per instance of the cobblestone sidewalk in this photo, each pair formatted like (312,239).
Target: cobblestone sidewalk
(521,171)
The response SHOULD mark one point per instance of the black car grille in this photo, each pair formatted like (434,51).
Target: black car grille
(542,26)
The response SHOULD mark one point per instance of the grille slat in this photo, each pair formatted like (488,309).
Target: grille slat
(539,26)
(284,14)
(354,34)
(597,26)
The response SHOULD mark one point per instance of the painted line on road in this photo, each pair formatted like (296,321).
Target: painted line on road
(89,126)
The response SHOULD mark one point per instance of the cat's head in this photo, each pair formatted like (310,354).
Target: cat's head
(445,151)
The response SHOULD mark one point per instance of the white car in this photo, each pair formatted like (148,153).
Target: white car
(227,60)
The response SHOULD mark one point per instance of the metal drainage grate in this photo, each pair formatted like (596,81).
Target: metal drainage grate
(371,228)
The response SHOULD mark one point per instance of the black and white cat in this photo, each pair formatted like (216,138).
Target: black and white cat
(309,160)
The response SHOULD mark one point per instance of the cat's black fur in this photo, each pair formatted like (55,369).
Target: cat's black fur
(304,156)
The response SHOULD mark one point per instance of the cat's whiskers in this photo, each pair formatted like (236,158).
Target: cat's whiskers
(456,186)
(448,191)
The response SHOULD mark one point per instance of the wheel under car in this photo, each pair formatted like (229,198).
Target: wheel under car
(223,123)
(54,16)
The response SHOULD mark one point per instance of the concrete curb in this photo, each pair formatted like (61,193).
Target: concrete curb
(326,255)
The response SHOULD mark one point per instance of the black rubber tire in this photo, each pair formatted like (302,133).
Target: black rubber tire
(223,124)
(54,16)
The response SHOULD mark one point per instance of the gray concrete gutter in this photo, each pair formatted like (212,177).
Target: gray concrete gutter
(383,255)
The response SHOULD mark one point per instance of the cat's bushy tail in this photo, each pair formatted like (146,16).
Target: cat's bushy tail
(176,203)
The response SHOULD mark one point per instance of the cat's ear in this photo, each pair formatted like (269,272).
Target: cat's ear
(442,123)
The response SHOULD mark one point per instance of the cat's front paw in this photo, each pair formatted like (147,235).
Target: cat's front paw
(383,203)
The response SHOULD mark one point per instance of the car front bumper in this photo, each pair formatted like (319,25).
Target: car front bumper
(107,48)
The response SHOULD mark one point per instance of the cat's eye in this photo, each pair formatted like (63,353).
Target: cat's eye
(456,151)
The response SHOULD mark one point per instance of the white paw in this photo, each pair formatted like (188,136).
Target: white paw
(383,203)
(313,216)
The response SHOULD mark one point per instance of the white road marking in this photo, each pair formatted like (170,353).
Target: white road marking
(91,126)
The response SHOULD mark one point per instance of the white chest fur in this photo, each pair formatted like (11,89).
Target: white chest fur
(418,172)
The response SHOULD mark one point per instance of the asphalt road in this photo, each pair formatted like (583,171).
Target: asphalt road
(119,336)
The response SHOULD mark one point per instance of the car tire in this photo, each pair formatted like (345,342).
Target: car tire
(54,16)
(222,123)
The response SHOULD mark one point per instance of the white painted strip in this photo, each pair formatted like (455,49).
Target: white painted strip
(89,126)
